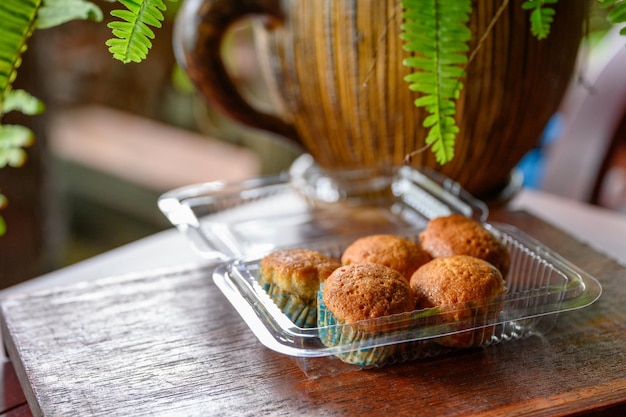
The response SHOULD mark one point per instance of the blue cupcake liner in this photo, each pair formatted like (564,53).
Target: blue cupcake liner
(302,313)
(332,333)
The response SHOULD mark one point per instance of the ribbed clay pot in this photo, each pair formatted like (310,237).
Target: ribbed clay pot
(334,69)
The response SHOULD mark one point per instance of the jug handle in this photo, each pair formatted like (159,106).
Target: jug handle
(201,27)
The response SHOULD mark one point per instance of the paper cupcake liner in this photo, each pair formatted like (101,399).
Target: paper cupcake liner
(300,312)
(331,334)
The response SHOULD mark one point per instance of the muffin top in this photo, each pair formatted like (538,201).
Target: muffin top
(396,252)
(460,235)
(297,271)
(364,291)
(456,279)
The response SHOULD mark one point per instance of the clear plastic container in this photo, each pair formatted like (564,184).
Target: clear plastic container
(224,221)
(237,224)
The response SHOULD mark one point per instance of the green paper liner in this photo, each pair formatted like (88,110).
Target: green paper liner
(302,313)
(332,333)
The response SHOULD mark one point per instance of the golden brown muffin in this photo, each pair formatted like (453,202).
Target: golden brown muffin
(358,292)
(460,235)
(292,277)
(365,291)
(396,252)
(467,288)
(297,271)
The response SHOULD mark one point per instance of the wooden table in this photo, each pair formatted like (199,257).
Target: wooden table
(578,368)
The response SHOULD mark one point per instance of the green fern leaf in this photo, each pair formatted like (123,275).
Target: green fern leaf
(617,14)
(18,19)
(132,32)
(13,138)
(22,101)
(541,17)
(436,32)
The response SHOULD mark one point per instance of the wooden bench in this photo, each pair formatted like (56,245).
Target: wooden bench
(113,166)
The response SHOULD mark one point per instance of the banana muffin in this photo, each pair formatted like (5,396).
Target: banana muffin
(292,279)
(467,289)
(396,252)
(460,235)
(351,296)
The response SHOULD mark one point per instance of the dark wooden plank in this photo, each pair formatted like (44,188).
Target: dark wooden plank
(171,344)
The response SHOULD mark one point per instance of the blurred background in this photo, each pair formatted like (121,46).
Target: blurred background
(114,137)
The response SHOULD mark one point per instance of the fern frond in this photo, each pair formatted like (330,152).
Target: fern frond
(617,14)
(18,20)
(13,140)
(541,17)
(132,32)
(22,101)
(436,32)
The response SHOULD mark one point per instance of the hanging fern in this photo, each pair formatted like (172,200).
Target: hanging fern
(436,32)
(132,32)
(541,16)
(18,20)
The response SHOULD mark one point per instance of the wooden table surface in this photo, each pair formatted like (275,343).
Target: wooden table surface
(578,368)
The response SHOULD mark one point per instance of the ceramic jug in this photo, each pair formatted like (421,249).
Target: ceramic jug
(335,73)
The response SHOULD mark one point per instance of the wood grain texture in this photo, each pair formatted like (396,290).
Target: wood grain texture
(168,343)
